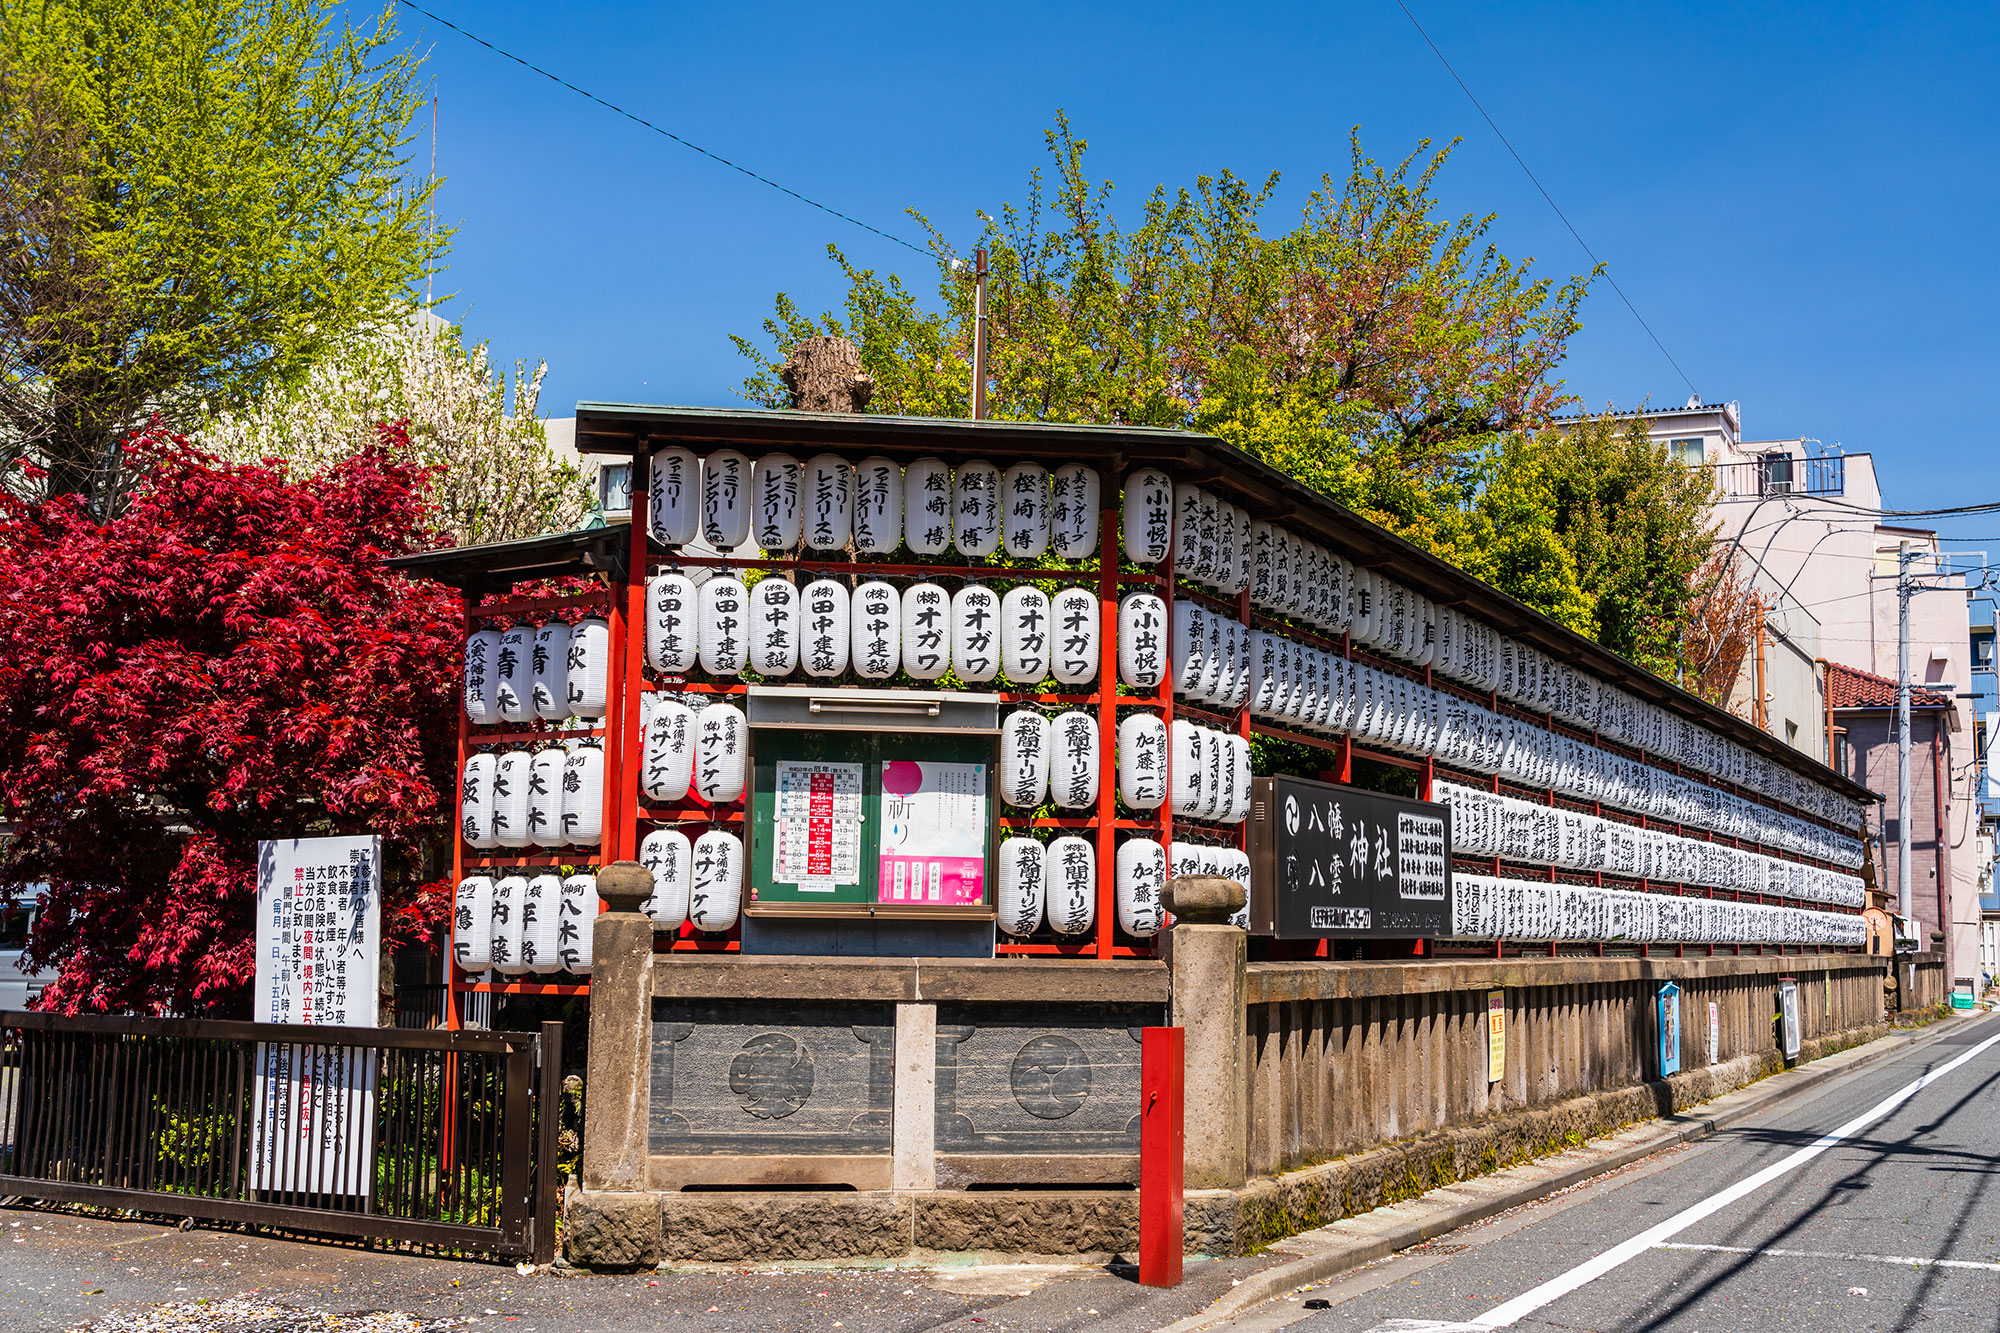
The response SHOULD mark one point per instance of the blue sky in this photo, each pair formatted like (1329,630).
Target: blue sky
(1799,199)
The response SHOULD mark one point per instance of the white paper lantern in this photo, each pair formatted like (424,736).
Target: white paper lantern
(583,797)
(1188,744)
(475,801)
(1141,883)
(1142,640)
(975,633)
(1075,653)
(1187,533)
(777,513)
(482,658)
(824,621)
(927,623)
(715,885)
(514,675)
(1023,882)
(1215,766)
(1238,807)
(673,497)
(774,627)
(829,503)
(576,935)
(1214,663)
(666,766)
(878,505)
(1190,655)
(1142,761)
(545,797)
(1147,516)
(472,924)
(1073,760)
(725,499)
(975,520)
(1236,865)
(1024,510)
(1072,880)
(725,628)
(1024,759)
(927,507)
(668,854)
(512,780)
(672,624)
(541,917)
(550,663)
(720,741)
(1025,617)
(875,638)
(506,932)
(589,668)
(1078,497)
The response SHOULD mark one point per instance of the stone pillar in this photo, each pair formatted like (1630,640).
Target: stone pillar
(913,1134)
(1209,958)
(621,1032)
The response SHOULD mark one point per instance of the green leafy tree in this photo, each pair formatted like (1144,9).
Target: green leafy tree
(1376,349)
(1634,522)
(196,197)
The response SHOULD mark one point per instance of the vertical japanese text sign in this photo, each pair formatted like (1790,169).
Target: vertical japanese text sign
(319,949)
(1669,1028)
(1496,1036)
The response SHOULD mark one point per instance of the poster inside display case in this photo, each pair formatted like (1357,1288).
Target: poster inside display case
(870,824)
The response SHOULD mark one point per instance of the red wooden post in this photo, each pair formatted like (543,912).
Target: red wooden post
(1107,717)
(1162,1143)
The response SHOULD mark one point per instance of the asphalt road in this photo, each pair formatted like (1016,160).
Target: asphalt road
(1765,1227)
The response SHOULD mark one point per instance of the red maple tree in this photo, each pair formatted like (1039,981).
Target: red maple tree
(227,660)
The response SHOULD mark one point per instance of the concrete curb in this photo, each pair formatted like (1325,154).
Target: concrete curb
(1679,1129)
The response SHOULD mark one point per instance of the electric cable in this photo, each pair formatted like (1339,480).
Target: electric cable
(660,130)
(1546,196)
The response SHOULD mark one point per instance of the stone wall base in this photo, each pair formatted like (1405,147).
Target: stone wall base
(624,1231)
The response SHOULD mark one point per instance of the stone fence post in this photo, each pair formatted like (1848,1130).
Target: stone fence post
(1209,958)
(615,1222)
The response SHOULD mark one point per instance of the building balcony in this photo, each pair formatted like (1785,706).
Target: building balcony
(1781,474)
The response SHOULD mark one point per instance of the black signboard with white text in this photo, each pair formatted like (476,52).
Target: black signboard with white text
(1333,862)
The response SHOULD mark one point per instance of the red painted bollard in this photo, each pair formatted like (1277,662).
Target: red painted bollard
(1162,1133)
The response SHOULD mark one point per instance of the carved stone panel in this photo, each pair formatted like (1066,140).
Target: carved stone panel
(758,1077)
(1039,1078)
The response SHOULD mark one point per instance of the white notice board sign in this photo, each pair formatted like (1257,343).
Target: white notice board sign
(319,950)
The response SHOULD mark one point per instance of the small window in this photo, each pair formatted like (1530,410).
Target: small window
(1778,474)
(614,488)
(1792,734)
(1687,451)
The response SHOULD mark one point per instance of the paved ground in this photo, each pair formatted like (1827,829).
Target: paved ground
(60,1272)
(1895,1226)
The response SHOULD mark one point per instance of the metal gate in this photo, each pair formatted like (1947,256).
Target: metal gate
(432,1137)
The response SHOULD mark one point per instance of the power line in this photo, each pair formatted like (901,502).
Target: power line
(641,120)
(1545,195)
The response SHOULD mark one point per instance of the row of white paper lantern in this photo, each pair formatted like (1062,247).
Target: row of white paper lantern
(826,504)
(552,671)
(1317,691)
(1488,823)
(1201,858)
(1294,577)
(1057,882)
(533,798)
(698,880)
(1209,777)
(774,629)
(524,923)
(1486,908)
(704,750)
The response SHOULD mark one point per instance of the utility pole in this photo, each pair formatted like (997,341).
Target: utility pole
(979,334)
(1903,558)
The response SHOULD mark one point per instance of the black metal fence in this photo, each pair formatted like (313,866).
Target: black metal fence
(1781,474)
(433,1137)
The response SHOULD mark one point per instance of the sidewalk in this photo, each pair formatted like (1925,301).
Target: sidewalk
(64,1272)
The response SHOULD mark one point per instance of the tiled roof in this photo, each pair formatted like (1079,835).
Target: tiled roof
(1849,688)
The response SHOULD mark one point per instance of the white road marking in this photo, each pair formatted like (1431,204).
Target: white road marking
(1905,1261)
(1512,1312)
